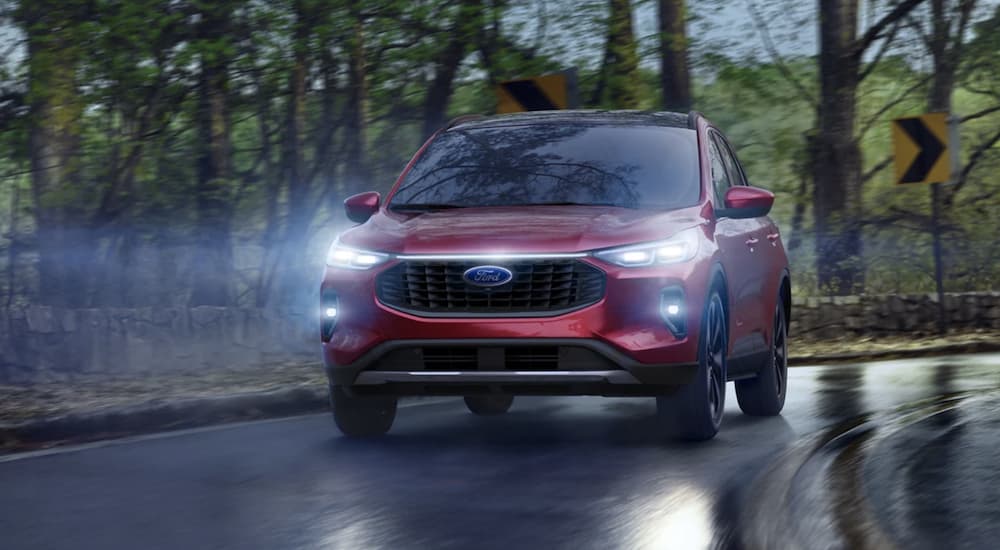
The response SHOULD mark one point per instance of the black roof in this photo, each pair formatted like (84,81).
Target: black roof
(639,118)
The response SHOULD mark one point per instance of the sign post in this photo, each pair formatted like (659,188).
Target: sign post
(923,154)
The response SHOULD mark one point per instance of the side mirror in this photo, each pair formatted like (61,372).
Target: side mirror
(746,202)
(362,206)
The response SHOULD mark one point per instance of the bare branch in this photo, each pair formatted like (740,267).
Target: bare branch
(918,28)
(981,91)
(965,12)
(881,51)
(875,31)
(772,51)
(874,170)
(980,114)
(975,158)
(888,106)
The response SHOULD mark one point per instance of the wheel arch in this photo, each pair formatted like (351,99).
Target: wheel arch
(717,279)
(785,292)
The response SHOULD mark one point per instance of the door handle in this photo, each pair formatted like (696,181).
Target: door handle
(773,237)
(752,241)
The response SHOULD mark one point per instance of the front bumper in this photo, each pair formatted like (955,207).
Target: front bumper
(504,362)
(622,338)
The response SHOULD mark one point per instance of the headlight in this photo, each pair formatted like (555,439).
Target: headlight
(679,248)
(352,258)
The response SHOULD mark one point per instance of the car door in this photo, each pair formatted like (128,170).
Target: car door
(736,251)
(755,269)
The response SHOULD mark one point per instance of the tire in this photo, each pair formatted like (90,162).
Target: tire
(489,405)
(694,412)
(361,416)
(764,395)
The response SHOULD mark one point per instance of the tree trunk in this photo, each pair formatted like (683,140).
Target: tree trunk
(836,161)
(13,248)
(54,137)
(835,154)
(619,81)
(946,50)
(439,93)
(946,41)
(293,252)
(213,266)
(272,192)
(356,165)
(675,80)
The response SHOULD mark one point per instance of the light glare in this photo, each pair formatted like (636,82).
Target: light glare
(343,255)
(635,256)
(331,312)
(673,309)
(340,256)
(672,252)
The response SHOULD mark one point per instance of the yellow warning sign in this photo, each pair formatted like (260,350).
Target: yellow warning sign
(538,93)
(920,149)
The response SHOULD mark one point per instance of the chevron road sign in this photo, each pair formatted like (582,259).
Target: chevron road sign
(925,150)
(921,149)
(537,93)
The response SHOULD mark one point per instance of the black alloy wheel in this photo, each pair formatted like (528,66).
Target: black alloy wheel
(695,411)
(764,395)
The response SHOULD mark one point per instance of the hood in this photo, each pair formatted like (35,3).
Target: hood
(521,229)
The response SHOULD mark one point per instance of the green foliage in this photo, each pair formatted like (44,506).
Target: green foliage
(123,77)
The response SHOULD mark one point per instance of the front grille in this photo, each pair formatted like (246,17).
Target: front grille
(450,358)
(538,287)
(499,357)
(532,358)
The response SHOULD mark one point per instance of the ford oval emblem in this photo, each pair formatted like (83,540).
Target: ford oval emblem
(487,275)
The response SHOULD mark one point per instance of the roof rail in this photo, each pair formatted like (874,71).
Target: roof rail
(693,117)
(463,118)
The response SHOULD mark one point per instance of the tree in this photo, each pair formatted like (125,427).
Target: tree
(356,131)
(619,80)
(945,44)
(55,113)
(835,154)
(461,32)
(212,268)
(675,80)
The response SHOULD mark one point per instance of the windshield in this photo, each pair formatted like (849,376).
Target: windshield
(629,166)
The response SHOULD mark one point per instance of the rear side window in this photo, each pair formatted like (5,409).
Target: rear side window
(732,165)
(720,177)
(629,166)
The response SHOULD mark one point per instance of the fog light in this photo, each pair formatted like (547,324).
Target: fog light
(329,305)
(672,310)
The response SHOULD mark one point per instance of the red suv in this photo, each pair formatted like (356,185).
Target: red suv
(561,253)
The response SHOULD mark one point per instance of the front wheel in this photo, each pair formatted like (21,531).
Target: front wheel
(361,416)
(695,411)
(765,394)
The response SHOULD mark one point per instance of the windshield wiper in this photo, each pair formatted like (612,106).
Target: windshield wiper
(425,207)
(430,207)
(570,203)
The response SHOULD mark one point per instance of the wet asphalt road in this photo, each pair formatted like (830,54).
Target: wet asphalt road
(552,473)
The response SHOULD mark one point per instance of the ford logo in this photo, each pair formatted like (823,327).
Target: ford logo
(487,275)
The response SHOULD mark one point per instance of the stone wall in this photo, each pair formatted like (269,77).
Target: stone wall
(44,339)
(882,315)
